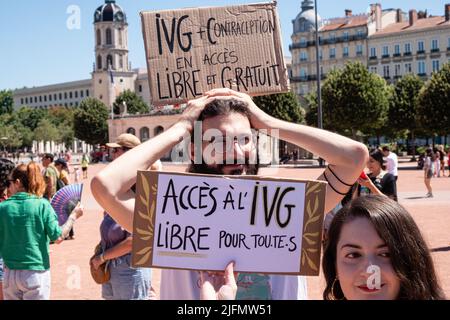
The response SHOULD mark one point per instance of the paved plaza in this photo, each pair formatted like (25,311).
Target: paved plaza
(71,279)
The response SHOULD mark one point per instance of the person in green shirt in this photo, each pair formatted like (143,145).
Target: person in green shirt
(84,165)
(27,224)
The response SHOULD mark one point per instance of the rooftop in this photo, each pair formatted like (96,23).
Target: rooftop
(420,24)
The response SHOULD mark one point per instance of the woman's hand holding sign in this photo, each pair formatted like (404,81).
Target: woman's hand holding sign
(219,286)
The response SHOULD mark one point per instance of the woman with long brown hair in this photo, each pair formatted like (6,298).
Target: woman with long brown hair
(27,223)
(376,251)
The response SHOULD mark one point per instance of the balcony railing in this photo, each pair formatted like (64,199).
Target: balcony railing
(385,56)
(397,55)
(373,58)
(435,50)
(407,54)
(420,51)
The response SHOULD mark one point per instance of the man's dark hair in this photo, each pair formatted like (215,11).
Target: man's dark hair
(49,156)
(386,148)
(410,257)
(378,156)
(6,167)
(221,107)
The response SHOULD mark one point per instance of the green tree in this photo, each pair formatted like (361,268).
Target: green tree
(284,106)
(90,121)
(30,117)
(134,103)
(46,131)
(9,138)
(434,103)
(354,99)
(404,106)
(6,101)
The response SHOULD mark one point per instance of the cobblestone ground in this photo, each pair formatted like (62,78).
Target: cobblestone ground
(71,279)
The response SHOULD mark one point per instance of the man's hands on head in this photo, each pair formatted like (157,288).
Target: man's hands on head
(258,118)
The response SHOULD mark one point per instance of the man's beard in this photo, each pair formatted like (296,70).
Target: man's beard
(203,168)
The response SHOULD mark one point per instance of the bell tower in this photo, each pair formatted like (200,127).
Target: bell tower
(112,73)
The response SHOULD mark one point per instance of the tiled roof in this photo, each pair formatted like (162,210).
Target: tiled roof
(419,25)
(346,22)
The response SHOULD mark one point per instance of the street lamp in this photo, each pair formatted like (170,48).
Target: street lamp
(318,78)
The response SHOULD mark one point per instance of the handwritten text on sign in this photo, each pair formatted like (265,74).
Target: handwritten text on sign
(191,51)
(203,222)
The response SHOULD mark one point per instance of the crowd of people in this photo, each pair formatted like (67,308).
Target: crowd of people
(365,226)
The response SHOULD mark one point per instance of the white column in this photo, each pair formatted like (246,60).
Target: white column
(75,149)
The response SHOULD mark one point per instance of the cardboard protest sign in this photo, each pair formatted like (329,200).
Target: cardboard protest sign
(191,51)
(202,222)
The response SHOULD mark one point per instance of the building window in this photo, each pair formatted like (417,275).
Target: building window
(55,97)
(60,96)
(45,98)
(35,99)
(303,42)
(303,56)
(434,45)
(385,51)
(70,95)
(99,62)
(320,54)
(345,37)
(87,93)
(386,72)
(345,52)
(373,52)
(397,50)
(407,48)
(26,100)
(421,68)
(397,70)
(359,50)
(100,81)
(65,104)
(109,61)
(303,74)
(360,33)
(435,64)
(420,47)
(81,93)
(332,53)
(408,68)
(144,134)
(131,131)
(140,88)
(448,44)
(49,97)
(99,37)
(76,94)
(121,62)
(65,95)
(40,98)
(108,36)
(333,37)
(76,104)
(21,100)
(374,69)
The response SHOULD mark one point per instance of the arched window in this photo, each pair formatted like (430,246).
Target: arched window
(158,130)
(99,62)
(144,134)
(99,37)
(121,61)
(131,131)
(109,61)
(108,36)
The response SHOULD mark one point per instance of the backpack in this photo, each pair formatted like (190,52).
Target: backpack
(59,184)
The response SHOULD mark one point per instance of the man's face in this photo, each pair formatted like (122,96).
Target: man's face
(229,148)
(385,153)
(117,152)
(46,162)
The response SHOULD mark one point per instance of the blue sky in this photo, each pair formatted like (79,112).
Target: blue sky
(38,49)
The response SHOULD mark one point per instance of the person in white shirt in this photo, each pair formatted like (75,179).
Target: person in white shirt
(391,162)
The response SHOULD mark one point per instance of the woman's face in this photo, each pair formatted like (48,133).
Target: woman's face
(13,187)
(359,248)
(373,165)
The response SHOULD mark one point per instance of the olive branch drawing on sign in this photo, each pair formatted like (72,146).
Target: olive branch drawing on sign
(313,214)
(147,234)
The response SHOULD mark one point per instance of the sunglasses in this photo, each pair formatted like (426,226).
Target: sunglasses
(115,150)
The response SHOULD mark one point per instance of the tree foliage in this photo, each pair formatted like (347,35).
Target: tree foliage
(90,121)
(135,104)
(6,101)
(284,106)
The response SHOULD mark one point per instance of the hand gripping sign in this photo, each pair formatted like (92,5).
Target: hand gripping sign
(202,222)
